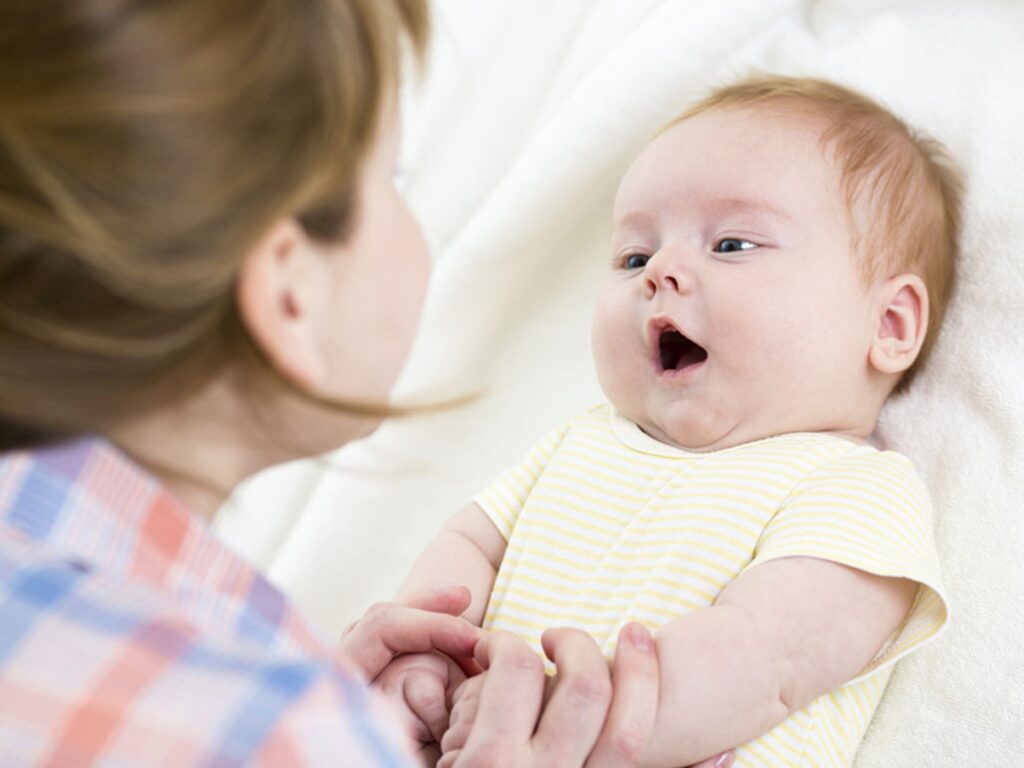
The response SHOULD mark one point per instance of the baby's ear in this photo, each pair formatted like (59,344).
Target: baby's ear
(902,323)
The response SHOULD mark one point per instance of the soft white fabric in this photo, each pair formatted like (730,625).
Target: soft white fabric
(529,113)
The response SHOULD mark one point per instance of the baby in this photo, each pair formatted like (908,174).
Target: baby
(782,254)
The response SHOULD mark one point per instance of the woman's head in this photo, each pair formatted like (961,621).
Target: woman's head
(166,170)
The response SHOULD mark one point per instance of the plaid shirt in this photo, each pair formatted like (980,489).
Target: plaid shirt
(130,636)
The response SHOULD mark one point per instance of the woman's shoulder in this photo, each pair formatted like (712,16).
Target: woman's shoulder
(101,668)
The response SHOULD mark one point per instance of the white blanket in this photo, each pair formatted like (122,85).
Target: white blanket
(530,112)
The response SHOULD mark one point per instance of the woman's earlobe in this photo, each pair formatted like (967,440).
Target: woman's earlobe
(902,324)
(275,297)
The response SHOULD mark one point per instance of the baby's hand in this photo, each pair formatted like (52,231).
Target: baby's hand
(465,702)
(419,686)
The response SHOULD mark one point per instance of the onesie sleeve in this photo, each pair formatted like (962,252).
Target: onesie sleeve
(503,499)
(870,511)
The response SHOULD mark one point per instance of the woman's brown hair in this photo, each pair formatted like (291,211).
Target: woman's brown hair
(145,146)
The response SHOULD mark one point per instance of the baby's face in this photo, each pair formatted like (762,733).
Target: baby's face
(734,309)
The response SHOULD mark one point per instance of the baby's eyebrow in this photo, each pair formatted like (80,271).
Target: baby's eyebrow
(641,218)
(636,219)
(746,204)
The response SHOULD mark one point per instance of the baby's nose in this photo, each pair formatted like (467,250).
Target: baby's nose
(665,273)
(662,282)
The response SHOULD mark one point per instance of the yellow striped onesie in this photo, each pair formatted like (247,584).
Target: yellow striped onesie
(606,525)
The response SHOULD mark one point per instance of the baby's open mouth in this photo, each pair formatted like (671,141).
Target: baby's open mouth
(676,352)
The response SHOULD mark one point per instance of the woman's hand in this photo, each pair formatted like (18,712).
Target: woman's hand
(495,717)
(424,622)
(635,705)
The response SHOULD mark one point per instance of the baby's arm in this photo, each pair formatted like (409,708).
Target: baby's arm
(466,552)
(782,634)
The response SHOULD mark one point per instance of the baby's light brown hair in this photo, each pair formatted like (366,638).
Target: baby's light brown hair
(901,189)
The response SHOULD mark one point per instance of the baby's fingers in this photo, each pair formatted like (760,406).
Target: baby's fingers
(463,715)
(424,692)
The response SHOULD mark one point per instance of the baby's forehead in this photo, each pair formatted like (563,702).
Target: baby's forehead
(770,158)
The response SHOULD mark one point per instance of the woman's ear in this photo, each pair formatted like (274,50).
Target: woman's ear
(277,295)
(902,324)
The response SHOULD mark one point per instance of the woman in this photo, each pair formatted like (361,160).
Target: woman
(205,270)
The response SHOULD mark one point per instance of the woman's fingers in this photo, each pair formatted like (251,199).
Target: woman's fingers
(634,707)
(388,629)
(573,717)
(450,600)
(511,692)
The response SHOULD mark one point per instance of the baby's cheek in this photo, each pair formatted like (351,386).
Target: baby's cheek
(617,360)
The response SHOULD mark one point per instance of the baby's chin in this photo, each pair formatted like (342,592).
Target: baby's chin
(690,424)
(700,435)
(689,437)
(707,438)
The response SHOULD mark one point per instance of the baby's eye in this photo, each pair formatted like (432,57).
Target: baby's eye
(733,245)
(635,261)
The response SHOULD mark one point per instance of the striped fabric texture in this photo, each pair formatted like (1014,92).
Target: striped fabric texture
(606,526)
(130,636)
